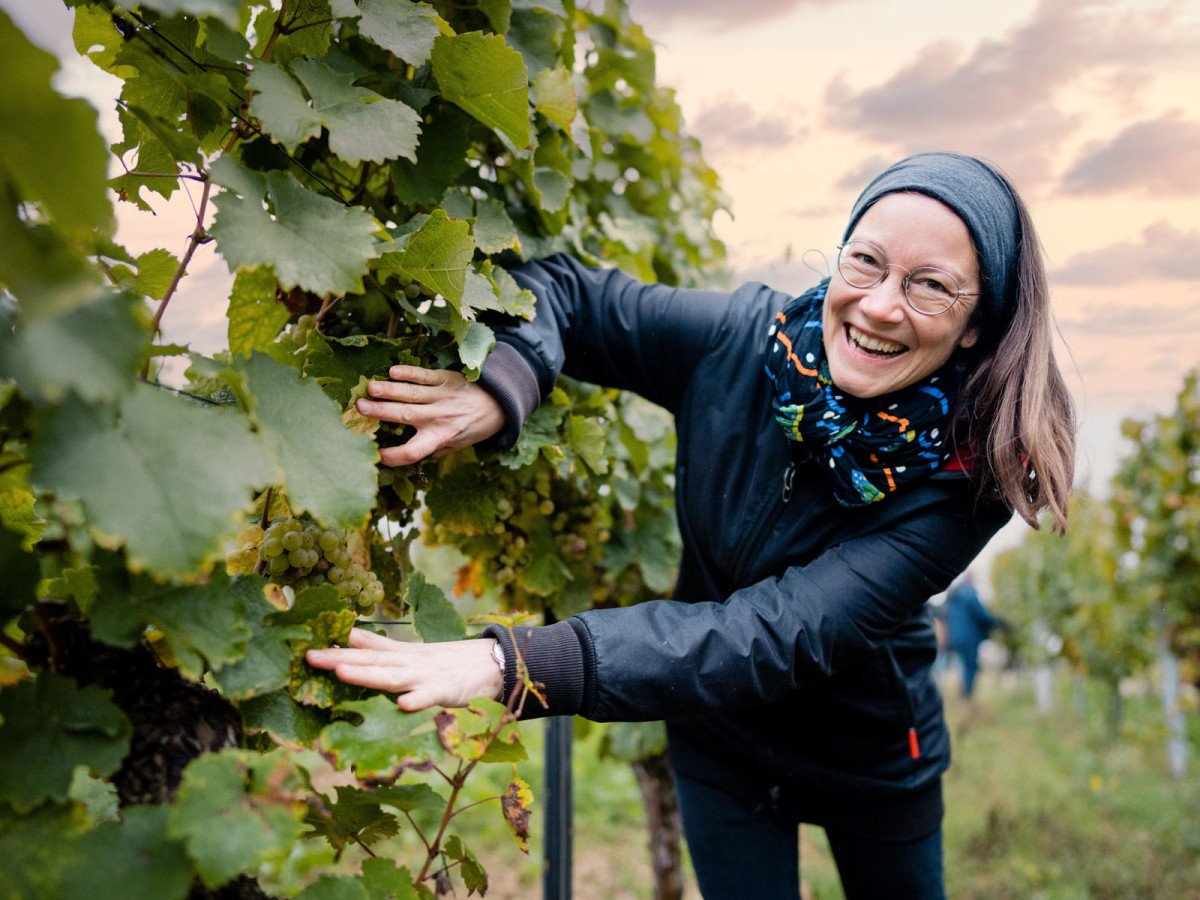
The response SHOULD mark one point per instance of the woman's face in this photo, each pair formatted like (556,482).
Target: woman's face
(875,342)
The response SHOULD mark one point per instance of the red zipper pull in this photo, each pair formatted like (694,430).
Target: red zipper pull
(914,749)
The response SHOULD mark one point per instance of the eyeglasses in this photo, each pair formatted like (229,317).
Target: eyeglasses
(929,290)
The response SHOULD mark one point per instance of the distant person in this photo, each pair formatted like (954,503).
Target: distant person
(968,624)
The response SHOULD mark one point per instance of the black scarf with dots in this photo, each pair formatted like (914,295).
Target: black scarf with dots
(867,448)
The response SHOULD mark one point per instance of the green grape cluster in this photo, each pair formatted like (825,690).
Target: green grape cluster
(298,331)
(579,520)
(304,554)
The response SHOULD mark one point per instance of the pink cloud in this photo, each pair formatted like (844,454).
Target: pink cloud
(1001,98)
(713,14)
(1163,253)
(1157,157)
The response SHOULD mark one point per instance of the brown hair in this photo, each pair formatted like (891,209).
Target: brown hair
(1019,416)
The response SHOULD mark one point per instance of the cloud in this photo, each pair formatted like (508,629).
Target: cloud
(1164,253)
(733,126)
(1158,157)
(1001,98)
(656,15)
(1134,319)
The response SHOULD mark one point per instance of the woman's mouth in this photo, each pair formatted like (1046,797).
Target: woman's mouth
(872,346)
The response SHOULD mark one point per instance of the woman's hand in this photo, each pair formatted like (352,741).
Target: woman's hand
(447,411)
(447,674)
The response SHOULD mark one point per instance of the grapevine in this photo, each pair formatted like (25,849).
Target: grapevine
(375,167)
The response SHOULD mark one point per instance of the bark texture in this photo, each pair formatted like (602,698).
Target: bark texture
(663,824)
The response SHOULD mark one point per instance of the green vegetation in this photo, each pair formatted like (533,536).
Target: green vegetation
(374,167)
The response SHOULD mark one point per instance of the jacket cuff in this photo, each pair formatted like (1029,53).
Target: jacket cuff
(509,378)
(554,657)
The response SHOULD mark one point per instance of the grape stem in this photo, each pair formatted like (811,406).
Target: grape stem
(197,237)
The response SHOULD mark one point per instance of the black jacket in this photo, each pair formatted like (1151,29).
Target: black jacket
(798,646)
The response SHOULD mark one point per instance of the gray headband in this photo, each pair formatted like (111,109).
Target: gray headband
(983,201)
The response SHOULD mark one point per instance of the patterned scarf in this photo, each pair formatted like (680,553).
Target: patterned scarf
(867,448)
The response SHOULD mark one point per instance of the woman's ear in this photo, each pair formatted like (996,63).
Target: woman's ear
(969,338)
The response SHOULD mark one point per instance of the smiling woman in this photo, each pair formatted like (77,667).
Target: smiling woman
(842,456)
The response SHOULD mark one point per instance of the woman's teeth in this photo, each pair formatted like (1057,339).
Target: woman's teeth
(871,345)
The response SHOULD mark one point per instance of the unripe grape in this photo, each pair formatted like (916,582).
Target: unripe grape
(335,575)
(546,507)
(271,548)
(279,563)
(291,541)
(297,558)
(330,542)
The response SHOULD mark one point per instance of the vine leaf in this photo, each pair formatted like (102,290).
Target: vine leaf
(516,802)
(328,471)
(406,29)
(203,624)
(36,846)
(473,874)
(556,96)
(355,815)
(132,859)
(254,317)
(65,175)
(383,878)
(312,241)
(336,887)
(464,501)
(407,797)
(434,617)
(228,11)
(362,124)
(494,229)
(436,255)
(62,726)
(162,474)
(338,363)
(318,687)
(285,720)
(235,811)
(384,739)
(94,350)
(485,77)
(587,439)
(265,665)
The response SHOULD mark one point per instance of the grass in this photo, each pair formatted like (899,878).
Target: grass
(1039,807)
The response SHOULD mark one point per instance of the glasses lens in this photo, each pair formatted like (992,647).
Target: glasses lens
(931,291)
(861,264)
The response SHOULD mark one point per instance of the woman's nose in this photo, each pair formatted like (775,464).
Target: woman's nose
(885,301)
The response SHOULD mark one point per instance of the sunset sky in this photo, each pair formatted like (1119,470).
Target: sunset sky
(1089,105)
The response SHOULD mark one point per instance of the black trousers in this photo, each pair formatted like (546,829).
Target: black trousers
(742,847)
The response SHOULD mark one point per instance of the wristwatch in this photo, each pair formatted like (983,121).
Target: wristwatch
(498,656)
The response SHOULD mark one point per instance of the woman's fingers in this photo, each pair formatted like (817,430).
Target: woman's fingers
(420,446)
(447,412)
(438,674)
(362,638)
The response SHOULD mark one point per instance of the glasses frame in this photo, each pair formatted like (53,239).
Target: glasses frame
(887,270)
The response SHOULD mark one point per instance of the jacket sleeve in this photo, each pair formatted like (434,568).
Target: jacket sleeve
(602,326)
(666,658)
